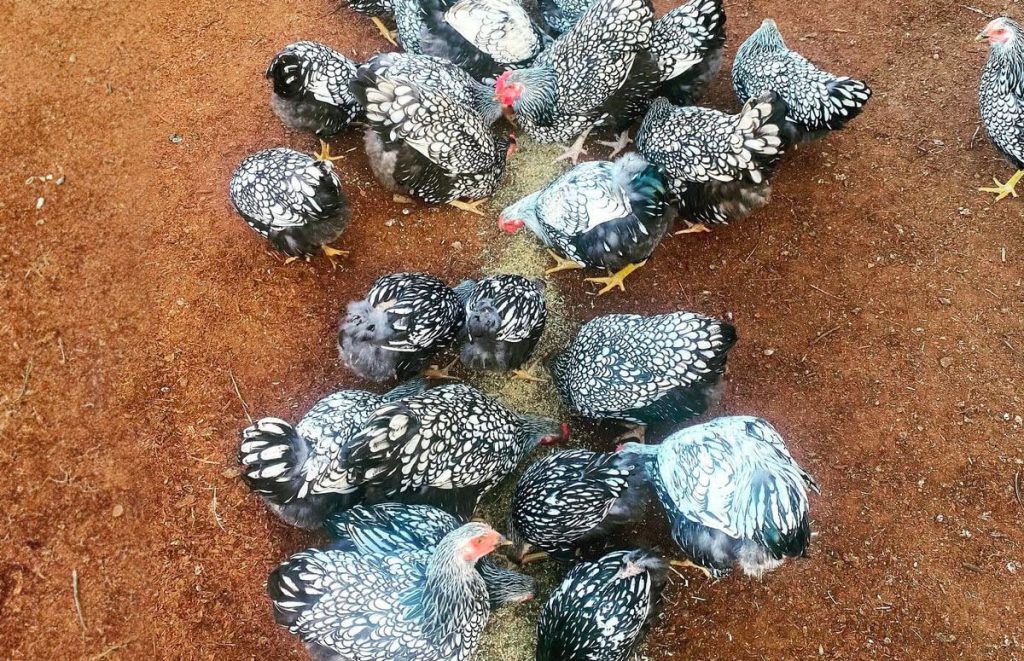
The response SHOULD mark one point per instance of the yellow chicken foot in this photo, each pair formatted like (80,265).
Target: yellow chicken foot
(528,374)
(693,228)
(331,253)
(617,279)
(688,564)
(325,153)
(1007,189)
(471,207)
(441,374)
(618,145)
(385,32)
(576,149)
(561,264)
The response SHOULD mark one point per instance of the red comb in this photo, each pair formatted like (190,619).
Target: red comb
(499,84)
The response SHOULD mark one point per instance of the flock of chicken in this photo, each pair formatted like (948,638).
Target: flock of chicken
(395,479)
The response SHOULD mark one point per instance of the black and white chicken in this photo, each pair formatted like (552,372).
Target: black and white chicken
(716,165)
(733,494)
(293,200)
(424,605)
(404,321)
(571,498)
(311,91)
(688,43)
(1001,98)
(483,37)
(425,139)
(603,214)
(581,79)
(644,370)
(378,9)
(297,470)
(601,609)
(816,101)
(398,527)
(446,447)
(505,316)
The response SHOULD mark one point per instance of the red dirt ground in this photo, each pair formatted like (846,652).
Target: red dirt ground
(879,301)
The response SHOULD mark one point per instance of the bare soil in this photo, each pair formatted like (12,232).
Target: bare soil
(879,301)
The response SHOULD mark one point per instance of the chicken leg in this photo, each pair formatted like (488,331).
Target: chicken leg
(693,228)
(1007,189)
(331,253)
(617,279)
(471,207)
(527,374)
(689,564)
(561,264)
(618,145)
(388,34)
(325,152)
(441,374)
(576,149)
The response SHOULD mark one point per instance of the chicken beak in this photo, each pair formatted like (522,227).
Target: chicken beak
(981,37)
(504,541)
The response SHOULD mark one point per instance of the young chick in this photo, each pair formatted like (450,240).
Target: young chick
(405,319)
(311,90)
(733,494)
(601,609)
(505,317)
(296,470)
(293,200)
(817,101)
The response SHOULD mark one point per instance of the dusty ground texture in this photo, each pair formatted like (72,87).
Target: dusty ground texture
(879,302)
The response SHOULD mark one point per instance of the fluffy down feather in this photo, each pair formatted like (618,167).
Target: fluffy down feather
(505,316)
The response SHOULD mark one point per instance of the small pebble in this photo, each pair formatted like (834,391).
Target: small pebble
(117,511)
(946,362)
(176,139)
(39,202)
(768,352)
(60,180)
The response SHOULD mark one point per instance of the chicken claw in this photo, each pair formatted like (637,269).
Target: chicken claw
(689,564)
(618,145)
(693,228)
(576,149)
(331,253)
(471,207)
(388,34)
(617,279)
(1007,189)
(561,264)
(325,152)
(441,373)
(528,374)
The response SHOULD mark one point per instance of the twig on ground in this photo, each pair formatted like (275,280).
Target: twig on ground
(1016,488)
(110,650)
(63,356)
(977,11)
(24,380)
(825,292)
(213,508)
(822,336)
(74,593)
(245,407)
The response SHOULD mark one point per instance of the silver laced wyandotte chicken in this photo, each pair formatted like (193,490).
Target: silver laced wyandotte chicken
(817,101)
(404,321)
(1001,97)
(423,605)
(604,214)
(424,140)
(600,610)
(296,470)
(390,528)
(505,317)
(582,77)
(293,200)
(311,90)
(688,42)
(733,494)
(483,37)
(643,370)
(716,165)
(569,499)
(446,447)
